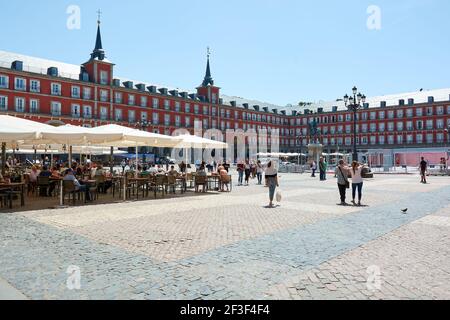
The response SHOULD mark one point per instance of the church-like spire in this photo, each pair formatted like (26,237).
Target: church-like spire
(208,78)
(98,52)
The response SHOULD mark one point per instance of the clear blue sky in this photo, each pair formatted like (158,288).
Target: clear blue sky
(279,51)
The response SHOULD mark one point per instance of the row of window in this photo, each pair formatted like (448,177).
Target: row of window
(376,115)
(380,127)
(86,111)
(381,140)
(86,93)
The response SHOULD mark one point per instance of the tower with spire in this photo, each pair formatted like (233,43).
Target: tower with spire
(99,69)
(207,89)
(98,52)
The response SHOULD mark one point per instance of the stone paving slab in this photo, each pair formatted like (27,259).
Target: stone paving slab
(238,250)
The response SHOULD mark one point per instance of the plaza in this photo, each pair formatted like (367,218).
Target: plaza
(230,246)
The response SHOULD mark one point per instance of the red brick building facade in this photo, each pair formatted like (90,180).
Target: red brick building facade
(57,93)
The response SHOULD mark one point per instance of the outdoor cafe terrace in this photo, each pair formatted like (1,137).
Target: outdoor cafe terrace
(20,187)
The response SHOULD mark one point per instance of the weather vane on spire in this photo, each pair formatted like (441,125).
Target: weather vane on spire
(208,51)
(99,14)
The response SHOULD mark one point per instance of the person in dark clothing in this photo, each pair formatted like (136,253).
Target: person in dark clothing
(343,183)
(423,170)
(47,174)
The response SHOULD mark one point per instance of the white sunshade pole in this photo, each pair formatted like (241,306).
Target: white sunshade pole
(137,162)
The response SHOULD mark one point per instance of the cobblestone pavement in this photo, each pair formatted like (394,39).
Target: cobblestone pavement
(229,246)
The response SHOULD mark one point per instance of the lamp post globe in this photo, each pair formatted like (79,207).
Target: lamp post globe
(354,103)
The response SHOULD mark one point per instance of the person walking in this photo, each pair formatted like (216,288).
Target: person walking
(240,170)
(247,172)
(423,167)
(313,169)
(259,172)
(271,175)
(357,181)
(343,183)
(323,169)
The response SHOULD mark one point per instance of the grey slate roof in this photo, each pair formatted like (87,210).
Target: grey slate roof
(71,71)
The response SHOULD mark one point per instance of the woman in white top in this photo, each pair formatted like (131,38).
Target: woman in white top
(272,181)
(259,172)
(357,181)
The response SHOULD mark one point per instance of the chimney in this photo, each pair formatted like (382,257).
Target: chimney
(17,65)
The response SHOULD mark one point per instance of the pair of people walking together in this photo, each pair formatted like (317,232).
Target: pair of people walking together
(343,172)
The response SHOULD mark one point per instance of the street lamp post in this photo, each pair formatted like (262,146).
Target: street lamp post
(299,143)
(447,131)
(143,125)
(354,104)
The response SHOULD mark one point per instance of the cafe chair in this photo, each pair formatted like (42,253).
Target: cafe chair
(5,200)
(43,184)
(101,183)
(201,181)
(70,190)
(159,184)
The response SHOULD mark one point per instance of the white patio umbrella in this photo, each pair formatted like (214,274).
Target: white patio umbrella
(132,137)
(190,141)
(14,130)
(137,138)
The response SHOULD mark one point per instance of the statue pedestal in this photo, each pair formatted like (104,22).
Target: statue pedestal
(315,152)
